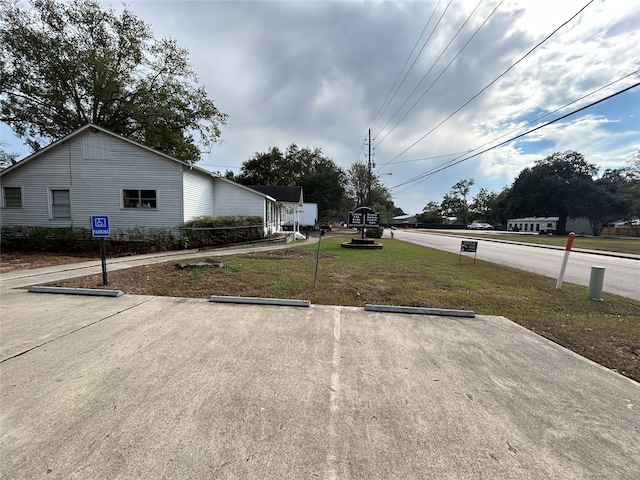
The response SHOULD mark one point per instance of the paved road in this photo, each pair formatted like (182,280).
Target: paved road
(622,275)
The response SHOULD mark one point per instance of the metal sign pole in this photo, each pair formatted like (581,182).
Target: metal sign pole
(103,254)
(315,278)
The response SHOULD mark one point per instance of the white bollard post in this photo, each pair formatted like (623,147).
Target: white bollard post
(565,260)
(595,283)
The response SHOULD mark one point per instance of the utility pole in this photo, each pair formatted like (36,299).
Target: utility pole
(369,182)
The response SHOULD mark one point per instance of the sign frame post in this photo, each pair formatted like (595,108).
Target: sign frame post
(100,229)
(469,246)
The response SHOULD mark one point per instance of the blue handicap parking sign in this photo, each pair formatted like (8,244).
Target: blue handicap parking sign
(100,226)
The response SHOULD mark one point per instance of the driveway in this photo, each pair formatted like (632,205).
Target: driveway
(173,388)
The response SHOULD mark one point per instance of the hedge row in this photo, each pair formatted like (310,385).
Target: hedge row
(197,233)
(79,240)
(207,231)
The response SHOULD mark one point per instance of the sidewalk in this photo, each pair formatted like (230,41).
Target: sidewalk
(23,278)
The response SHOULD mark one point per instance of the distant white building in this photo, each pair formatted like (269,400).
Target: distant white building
(548,225)
(404,220)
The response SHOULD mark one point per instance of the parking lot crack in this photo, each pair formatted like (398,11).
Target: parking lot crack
(19,354)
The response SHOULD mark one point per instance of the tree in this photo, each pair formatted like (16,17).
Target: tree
(554,186)
(357,187)
(266,168)
(620,198)
(321,179)
(431,213)
(63,65)
(500,212)
(454,203)
(484,204)
(606,200)
(7,159)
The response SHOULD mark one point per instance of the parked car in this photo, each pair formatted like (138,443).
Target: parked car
(326,226)
(479,226)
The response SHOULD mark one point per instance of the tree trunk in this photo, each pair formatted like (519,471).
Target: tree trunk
(561,228)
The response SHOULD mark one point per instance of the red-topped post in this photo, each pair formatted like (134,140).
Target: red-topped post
(567,250)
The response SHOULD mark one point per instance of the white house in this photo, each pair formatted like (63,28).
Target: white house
(93,171)
(289,202)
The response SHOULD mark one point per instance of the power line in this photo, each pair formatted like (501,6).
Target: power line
(384,105)
(426,75)
(489,85)
(525,125)
(458,161)
(434,157)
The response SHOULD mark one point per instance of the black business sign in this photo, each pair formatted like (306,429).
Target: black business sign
(468,246)
(363,217)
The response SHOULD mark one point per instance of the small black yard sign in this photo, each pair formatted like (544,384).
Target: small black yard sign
(469,246)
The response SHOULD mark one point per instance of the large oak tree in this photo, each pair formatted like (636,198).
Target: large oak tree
(321,179)
(63,65)
(560,185)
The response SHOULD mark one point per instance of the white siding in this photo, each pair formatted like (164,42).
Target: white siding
(197,194)
(36,179)
(232,199)
(96,184)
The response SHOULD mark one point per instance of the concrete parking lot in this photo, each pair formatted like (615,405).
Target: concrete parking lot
(172,388)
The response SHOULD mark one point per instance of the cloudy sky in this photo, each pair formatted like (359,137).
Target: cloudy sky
(322,73)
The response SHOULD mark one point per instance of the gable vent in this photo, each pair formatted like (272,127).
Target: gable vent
(96,147)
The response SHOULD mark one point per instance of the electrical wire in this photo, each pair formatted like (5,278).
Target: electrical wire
(488,85)
(525,125)
(384,104)
(430,70)
(458,161)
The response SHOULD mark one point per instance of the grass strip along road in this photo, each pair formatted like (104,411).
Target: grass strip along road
(609,244)
(607,332)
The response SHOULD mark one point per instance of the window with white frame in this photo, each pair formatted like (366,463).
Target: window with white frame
(139,198)
(12,197)
(60,204)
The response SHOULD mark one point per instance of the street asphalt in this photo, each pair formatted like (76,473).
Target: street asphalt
(135,387)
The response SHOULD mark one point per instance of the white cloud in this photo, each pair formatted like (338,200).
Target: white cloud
(316,74)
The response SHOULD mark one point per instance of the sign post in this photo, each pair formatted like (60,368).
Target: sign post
(315,278)
(469,246)
(100,229)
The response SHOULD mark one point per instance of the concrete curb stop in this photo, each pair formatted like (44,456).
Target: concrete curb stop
(420,311)
(77,291)
(260,301)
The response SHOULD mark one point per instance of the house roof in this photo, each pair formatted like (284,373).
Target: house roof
(281,194)
(90,126)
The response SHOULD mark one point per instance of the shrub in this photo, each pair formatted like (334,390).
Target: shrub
(206,231)
(374,232)
(79,240)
